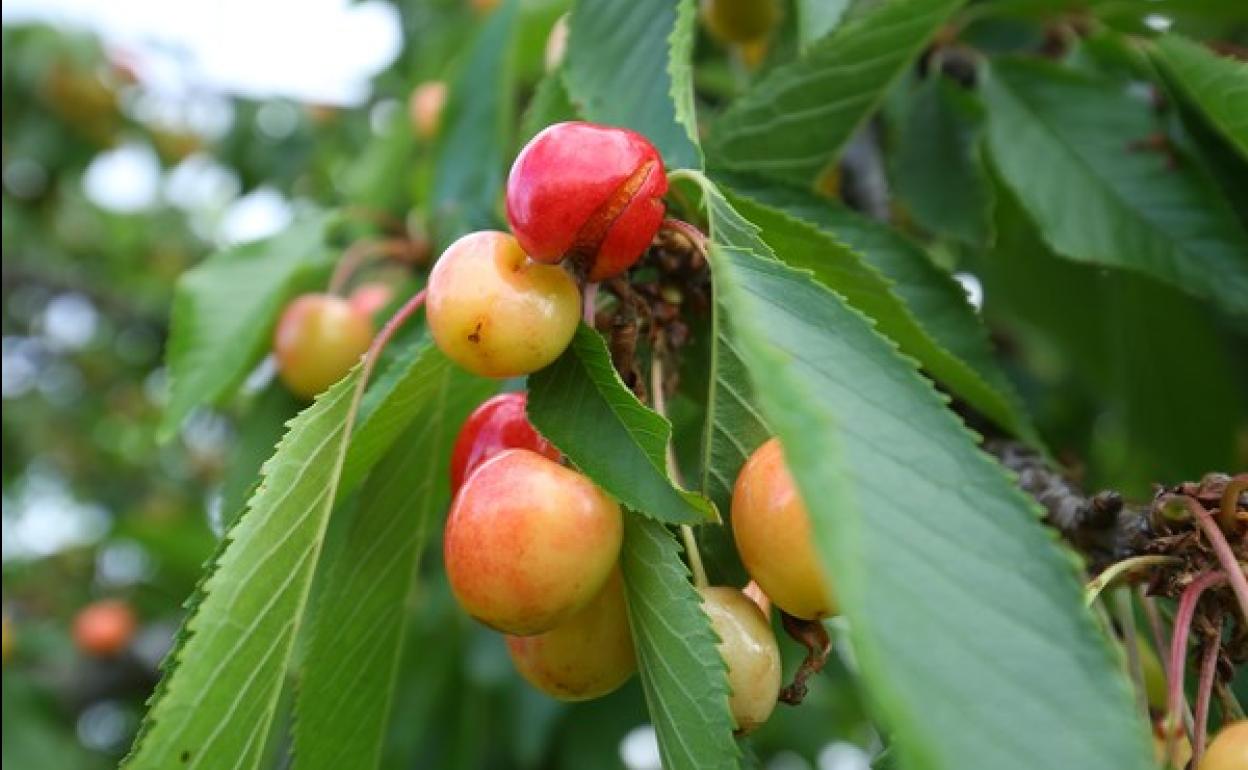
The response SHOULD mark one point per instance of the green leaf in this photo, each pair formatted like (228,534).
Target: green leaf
(580,404)
(795,121)
(1219,86)
(1063,144)
(224,310)
(550,104)
(937,168)
(259,429)
(682,674)
(911,300)
(222,680)
(816,18)
(629,65)
(473,140)
(355,633)
(954,591)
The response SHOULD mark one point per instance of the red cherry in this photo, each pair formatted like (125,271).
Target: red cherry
(104,628)
(592,194)
(499,423)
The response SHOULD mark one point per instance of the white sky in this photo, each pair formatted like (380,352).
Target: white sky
(311,50)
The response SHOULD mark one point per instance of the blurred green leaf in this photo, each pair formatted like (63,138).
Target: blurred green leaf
(550,105)
(796,120)
(628,65)
(583,407)
(1218,85)
(683,676)
(937,168)
(954,591)
(1064,143)
(260,428)
(224,310)
(355,630)
(223,678)
(816,18)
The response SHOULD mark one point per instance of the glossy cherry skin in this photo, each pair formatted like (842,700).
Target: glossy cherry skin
(588,193)
(499,423)
(104,628)
(1229,749)
(425,107)
(497,313)
(587,656)
(529,543)
(749,649)
(317,340)
(772,530)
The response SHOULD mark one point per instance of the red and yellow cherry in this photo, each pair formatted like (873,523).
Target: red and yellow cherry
(1229,749)
(104,628)
(425,107)
(772,530)
(369,299)
(588,193)
(587,656)
(318,339)
(740,21)
(499,423)
(529,543)
(748,647)
(1182,747)
(497,313)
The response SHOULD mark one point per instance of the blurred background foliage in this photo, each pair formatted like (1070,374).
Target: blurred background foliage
(111,190)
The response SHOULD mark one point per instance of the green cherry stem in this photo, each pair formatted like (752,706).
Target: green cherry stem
(659,400)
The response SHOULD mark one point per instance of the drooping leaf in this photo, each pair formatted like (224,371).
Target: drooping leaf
(954,592)
(224,310)
(1069,147)
(1219,86)
(629,65)
(223,678)
(937,168)
(356,629)
(917,305)
(795,121)
(580,404)
(683,676)
(474,137)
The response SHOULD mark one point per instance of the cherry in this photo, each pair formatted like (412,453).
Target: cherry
(499,423)
(369,299)
(1229,749)
(318,339)
(104,628)
(592,194)
(772,530)
(740,21)
(529,543)
(495,312)
(587,656)
(748,647)
(425,107)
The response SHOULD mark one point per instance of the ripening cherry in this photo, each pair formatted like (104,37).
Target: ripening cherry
(497,313)
(529,543)
(317,340)
(425,107)
(772,530)
(104,628)
(369,299)
(499,423)
(1229,749)
(588,193)
(749,649)
(587,656)
(740,21)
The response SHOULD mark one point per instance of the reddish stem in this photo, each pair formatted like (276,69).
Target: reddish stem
(1204,690)
(695,236)
(356,256)
(388,331)
(1178,653)
(1226,557)
(589,301)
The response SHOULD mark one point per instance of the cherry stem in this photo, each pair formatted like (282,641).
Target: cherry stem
(1115,570)
(1158,632)
(1228,517)
(589,299)
(1126,619)
(356,256)
(1226,557)
(659,399)
(1231,710)
(812,635)
(1178,654)
(1208,672)
(695,236)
